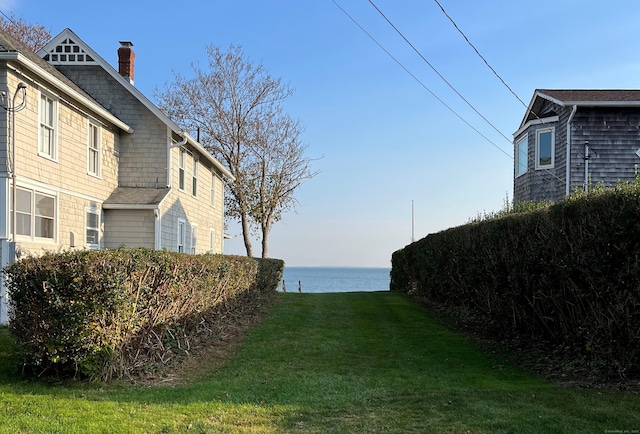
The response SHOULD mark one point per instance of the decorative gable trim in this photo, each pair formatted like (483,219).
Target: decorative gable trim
(73,40)
(65,51)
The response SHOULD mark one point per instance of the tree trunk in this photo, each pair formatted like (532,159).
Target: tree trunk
(265,245)
(246,235)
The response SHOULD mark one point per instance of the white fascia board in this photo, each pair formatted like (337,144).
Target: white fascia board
(209,157)
(136,93)
(115,75)
(552,99)
(41,73)
(535,122)
(130,206)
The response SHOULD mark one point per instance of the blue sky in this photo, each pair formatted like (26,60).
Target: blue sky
(381,139)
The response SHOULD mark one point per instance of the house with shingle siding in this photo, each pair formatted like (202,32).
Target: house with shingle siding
(575,139)
(94,163)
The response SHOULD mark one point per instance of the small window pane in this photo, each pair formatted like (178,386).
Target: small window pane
(45,205)
(92,220)
(23,201)
(44,227)
(522,155)
(544,148)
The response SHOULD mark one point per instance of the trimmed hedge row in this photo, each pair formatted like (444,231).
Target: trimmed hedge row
(111,314)
(568,274)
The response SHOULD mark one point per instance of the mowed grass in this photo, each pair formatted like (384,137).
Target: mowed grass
(327,363)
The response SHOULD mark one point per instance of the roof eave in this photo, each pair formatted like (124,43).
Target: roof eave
(130,206)
(208,156)
(41,73)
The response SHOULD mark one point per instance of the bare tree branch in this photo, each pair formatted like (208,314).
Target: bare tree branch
(236,107)
(35,36)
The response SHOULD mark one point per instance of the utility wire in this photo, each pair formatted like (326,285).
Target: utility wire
(458,93)
(420,82)
(7,17)
(437,72)
(478,53)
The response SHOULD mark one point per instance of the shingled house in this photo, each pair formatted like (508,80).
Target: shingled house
(88,162)
(574,139)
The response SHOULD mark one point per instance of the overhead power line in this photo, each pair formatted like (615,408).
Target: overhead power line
(438,72)
(478,53)
(419,81)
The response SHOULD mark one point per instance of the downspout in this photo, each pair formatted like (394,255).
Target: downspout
(568,163)
(586,166)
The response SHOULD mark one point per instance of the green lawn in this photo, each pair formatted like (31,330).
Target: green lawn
(319,363)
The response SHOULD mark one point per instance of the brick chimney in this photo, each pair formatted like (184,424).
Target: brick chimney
(126,57)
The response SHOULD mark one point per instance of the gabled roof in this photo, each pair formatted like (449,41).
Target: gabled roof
(14,50)
(580,98)
(68,44)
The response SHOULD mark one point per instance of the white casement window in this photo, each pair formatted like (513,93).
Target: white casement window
(545,149)
(48,122)
(35,215)
(181,159)
(522,155)
(194,238)
(182,234)
(213,188)
(212,240)
(93,150)
(194,182)
(92,228)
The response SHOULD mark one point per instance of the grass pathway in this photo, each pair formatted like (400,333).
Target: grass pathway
(322,363)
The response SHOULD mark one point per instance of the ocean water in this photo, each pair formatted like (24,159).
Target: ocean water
(336,279)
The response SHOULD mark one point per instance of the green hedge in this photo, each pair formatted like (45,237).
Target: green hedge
(568,274)
(124,313)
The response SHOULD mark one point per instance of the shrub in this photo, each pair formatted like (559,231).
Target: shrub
(567,273)
(122,313)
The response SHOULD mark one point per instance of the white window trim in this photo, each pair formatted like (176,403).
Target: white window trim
(86,227)
(193,245)
(98,149)
(56,216)
(181,239)
(194,176)
(182,156)
(518,156)
(553,148)
(54,154)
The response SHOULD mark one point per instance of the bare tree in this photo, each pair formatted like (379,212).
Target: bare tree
(35,36)
(278,167)
(236,107)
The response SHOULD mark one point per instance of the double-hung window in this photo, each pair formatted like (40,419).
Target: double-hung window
(522,155)
(181,159)
(35,214)
(92,228)
(48,121)
(194,182)
(182,235)
(93,150)
(545,148)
